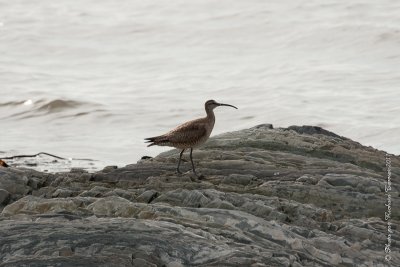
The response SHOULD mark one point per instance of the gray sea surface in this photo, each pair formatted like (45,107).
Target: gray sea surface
(90,79)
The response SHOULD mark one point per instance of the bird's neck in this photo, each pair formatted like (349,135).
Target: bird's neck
(210,115)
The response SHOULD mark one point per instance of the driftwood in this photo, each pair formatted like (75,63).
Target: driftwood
(32,156)
(4,164)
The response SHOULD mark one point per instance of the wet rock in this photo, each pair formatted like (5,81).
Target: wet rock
(300,196)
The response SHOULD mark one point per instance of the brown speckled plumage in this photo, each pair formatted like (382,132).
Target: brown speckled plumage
(190,134)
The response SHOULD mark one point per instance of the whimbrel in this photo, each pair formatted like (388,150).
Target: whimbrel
(190,134)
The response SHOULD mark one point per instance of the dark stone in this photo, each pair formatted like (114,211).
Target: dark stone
(306,129)
(4,196)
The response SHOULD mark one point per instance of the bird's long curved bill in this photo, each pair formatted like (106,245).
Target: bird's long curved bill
(227,105)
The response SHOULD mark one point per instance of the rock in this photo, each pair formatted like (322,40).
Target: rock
(63,193)
(127,194)
(65,252)
(37,205)
(307,179)
(147,196)
(187,198)
(16,183)
(4,196)
(110,168)
(297,196)
(305,129)
(96,191)
(78,170)
(239,179)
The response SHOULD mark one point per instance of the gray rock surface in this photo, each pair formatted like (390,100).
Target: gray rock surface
(299,196)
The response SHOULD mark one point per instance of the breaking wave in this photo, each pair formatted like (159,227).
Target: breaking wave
(26,109)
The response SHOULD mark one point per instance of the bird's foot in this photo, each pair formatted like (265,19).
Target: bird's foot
(199,176)
(194,179)
(178,171)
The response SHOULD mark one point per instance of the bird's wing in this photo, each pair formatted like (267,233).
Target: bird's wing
(187,133)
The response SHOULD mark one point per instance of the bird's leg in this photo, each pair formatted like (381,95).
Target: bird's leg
(191,159)
(179,162)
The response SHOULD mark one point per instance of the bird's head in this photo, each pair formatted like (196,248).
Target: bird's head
(211,104)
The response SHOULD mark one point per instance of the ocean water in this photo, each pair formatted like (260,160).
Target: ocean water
(90,79)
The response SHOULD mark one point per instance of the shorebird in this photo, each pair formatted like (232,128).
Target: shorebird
(190,134)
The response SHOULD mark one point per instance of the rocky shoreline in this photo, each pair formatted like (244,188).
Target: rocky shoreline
(297,196)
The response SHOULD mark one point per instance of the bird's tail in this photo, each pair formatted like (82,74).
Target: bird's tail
(161,140)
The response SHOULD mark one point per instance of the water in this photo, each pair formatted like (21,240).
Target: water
(90,79)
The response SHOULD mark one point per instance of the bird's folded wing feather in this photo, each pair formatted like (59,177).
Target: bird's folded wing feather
(187,133)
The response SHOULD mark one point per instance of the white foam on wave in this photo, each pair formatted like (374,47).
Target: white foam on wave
(28,102)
